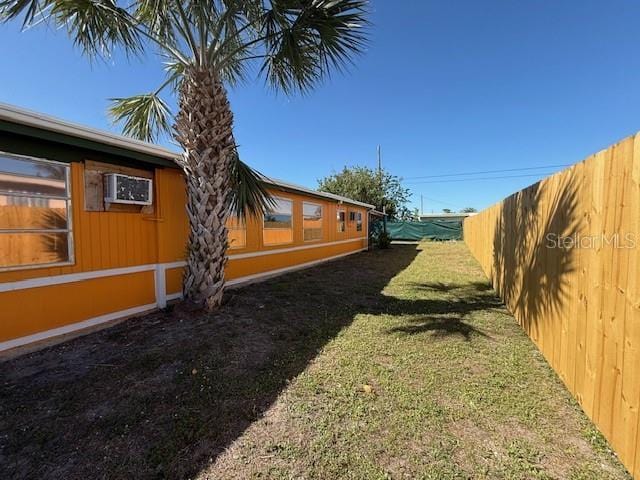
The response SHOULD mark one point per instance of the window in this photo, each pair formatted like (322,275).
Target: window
(342,216)
(236,232)
(278,224)
(358,221)
(312,221)
(35,214)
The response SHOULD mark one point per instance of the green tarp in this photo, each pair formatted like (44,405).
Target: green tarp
(431,229)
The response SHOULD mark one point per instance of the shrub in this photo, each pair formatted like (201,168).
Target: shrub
(383,240)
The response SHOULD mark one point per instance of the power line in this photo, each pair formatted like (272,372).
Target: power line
(482,178)
(440,202)
(488,171)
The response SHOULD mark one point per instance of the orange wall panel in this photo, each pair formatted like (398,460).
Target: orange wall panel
(278,236)
(33,310)
(173,279)
(242,267)
(108,240)
(172,227)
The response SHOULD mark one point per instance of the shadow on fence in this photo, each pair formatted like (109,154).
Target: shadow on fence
(530,267)
(579,299)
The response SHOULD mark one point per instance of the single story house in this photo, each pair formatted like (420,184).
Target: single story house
(93,228)
(427,217)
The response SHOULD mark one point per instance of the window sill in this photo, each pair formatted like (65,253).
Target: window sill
(18,268)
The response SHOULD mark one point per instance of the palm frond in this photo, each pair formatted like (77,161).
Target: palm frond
(249,194)
(97,26)
(154,14)
(144,116)
(341,28)
(175,73)
(291,61)
(30,9)
(234,70)
(305,39)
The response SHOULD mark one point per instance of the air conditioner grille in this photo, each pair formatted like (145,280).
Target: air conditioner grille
(128,189)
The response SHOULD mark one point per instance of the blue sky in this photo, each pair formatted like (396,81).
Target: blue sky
(445,87)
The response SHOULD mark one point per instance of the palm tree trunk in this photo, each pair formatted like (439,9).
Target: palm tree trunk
(204,129)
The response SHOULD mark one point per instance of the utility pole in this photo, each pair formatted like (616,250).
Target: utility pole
(380,167)
(421,205)
(384,207)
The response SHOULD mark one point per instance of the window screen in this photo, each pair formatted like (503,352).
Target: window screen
(358,221)
(278,223)
(312,221)
(341,219)
(35,214)
(237,232)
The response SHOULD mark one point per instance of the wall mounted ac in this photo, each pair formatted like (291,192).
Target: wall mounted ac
(119,188)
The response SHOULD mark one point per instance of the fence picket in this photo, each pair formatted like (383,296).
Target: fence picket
(579,302)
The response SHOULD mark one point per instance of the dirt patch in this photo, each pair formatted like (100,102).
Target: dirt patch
(479,448)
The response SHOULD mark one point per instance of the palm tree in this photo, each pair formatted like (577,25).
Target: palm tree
(208,45)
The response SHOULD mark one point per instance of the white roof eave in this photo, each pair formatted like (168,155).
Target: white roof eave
(38,120)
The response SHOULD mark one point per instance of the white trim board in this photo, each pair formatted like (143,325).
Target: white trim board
(239,256)
(30,118)
(237,282)
(73,277)
(74,327)
(262,276)
(174,296)
(160,281)
(113,272)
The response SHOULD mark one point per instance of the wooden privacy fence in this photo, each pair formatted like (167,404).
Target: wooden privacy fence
(563,255)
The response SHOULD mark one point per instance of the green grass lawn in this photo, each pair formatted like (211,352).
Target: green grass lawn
(387,364)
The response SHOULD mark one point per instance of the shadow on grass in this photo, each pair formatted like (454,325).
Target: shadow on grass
(441,287)
(163,395)
(446,311)
(440,327)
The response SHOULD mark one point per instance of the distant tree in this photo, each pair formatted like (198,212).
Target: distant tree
(446,210)
(468,210)
(406,215)
(369,186)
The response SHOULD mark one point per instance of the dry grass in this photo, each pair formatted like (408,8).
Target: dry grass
(388,364)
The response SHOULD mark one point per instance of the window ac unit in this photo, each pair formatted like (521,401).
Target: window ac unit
(120,188)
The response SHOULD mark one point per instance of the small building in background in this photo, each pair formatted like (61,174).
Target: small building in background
(426,217)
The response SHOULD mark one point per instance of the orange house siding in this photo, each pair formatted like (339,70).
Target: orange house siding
(315,250)
(154,246)
(33,310)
